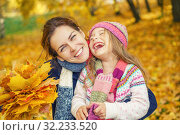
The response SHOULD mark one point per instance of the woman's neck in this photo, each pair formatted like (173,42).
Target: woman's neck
(109,64)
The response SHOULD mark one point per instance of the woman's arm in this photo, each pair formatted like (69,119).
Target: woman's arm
(136,108)
(153,104)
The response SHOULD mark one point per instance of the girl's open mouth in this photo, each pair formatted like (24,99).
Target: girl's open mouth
(98,45)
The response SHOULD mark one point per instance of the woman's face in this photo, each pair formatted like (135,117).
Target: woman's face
(99,44)
(69,44)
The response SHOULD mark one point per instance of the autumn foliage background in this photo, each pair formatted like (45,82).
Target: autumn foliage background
(155,40)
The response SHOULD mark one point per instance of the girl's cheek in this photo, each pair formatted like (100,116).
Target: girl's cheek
(90,46)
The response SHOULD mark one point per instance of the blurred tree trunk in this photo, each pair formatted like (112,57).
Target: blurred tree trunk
(91,6)
(160,3)
(138,6)
(2,29)
(92,10)
(26,6)
(134,11)
(147,6)
(176,10)
(116,9)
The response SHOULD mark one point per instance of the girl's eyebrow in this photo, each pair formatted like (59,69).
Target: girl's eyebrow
(98,31)
(101,31)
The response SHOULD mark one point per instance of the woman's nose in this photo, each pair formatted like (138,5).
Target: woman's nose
(72,48)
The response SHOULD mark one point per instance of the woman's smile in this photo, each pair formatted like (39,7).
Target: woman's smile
(79,53)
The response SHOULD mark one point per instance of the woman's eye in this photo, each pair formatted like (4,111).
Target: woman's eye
(101,33)
(73,37)
(62,48)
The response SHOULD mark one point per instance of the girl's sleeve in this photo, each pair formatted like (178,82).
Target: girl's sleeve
(137,107)
(79,98)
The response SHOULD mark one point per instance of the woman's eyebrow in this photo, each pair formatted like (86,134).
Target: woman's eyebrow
(60,46)
(70,35)
(68,38)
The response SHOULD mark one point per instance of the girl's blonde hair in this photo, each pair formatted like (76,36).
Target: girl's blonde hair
(121,52)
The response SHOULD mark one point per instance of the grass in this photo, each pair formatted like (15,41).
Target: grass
(16,25)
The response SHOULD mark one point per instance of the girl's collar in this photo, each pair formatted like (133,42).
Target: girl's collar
(118,71)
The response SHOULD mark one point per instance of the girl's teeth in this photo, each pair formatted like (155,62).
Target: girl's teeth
(80,51)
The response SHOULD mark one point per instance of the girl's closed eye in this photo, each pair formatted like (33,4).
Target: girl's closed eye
(102,33)
(91,38)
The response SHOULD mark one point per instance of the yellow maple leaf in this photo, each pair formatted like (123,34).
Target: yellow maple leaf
(49,81)
(2,74)
(1,90)
(21,109)
(4,82)
(37,101)
(36,82)
(45,68)
(4,97)
(26,71)
(35,109)
(51,97)
(17,83)
(40,75)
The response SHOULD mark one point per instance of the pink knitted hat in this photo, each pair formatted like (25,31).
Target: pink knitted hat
(115,28)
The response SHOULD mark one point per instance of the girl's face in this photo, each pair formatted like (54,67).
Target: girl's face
(70,45)
(99,44)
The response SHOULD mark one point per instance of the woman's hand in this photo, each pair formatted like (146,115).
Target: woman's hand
(45,108)
(82,113)
(100,110)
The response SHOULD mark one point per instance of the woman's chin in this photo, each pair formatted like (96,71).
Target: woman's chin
(81,59)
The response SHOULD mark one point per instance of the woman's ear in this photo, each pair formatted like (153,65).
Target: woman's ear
(61,59)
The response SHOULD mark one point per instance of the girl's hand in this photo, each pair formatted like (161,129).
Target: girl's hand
(100,110)
(82,113)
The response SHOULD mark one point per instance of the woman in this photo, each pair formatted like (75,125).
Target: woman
(65,42)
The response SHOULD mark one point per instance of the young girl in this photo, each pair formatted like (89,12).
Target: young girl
(119,78)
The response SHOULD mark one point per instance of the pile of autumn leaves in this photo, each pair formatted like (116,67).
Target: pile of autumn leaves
(25,93)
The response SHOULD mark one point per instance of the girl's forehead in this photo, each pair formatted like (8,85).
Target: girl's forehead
(96,30)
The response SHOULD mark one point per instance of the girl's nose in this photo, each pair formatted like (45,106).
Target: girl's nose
(94,38)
